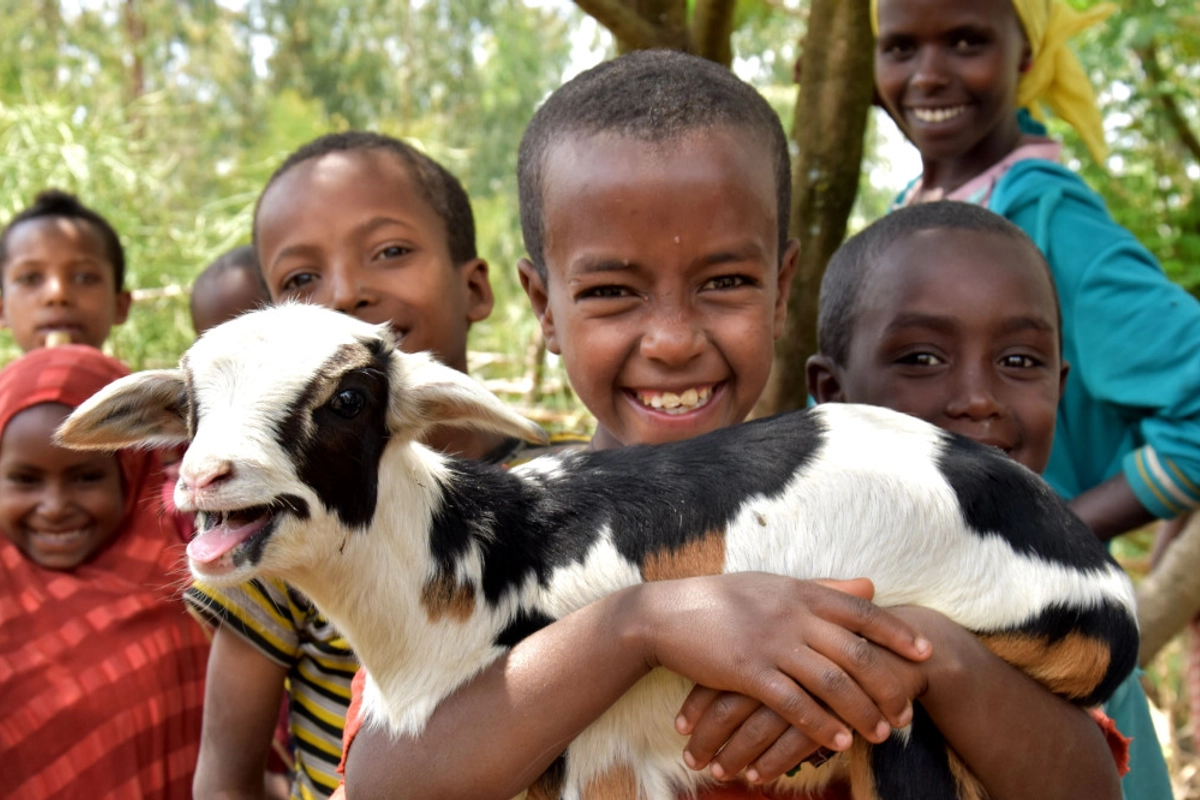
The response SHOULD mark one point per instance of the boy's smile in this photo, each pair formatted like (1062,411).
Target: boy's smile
(665,296)
(959,328)
(58,279)
(58,506)
(947,72)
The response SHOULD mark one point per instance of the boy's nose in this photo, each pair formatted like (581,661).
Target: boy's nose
(974,396)
(348,292)
(55,289)
(672,338)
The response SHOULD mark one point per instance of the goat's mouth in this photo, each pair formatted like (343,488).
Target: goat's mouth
(224,536)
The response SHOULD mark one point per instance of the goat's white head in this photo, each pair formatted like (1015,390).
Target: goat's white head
(287,413)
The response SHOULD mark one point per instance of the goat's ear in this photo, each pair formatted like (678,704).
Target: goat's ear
(440,395)
(146,409)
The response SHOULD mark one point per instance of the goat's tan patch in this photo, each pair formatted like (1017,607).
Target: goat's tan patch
(703,556)
(861,773)
(1072,667)
(618,783)
(969,787)
(443,596)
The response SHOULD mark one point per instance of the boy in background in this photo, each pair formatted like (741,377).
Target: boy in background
(229,286)
(654,196)
(62,274)
(369,226)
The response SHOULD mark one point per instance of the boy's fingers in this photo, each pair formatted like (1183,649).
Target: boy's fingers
(693,708)
(788,695)
(792,747)
(823,674)
(723,718)
(875,623)
(749,742)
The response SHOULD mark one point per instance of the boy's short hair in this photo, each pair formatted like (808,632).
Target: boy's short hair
(653,95)
(444,193)
(851,264)
(242,257)
(57,203)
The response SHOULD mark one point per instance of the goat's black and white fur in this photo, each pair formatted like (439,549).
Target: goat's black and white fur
(303,464)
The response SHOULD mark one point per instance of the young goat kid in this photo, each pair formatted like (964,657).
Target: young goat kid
(304,465)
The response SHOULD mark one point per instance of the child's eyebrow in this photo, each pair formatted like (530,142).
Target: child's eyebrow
(942,324)
(375,223)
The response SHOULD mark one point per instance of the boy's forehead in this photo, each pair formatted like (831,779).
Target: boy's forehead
(921,262)
(620,175)
(72,230)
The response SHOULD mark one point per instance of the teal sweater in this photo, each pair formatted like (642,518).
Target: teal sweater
(1132,338)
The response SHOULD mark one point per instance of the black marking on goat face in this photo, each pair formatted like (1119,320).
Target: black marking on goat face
(998,496)
(336,444)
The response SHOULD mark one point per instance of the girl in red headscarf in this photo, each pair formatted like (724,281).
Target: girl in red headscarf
(101,666)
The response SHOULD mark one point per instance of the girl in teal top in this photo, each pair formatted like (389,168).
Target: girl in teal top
(953,74)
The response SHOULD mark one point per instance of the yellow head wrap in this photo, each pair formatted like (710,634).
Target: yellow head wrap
(1055,77)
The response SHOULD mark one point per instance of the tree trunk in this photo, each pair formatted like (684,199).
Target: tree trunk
(836,86)
(1170,594)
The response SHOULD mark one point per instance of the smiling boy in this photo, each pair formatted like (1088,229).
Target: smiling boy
(62,274)
(654,191)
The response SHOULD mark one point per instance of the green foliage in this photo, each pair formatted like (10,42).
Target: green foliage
(1144,59)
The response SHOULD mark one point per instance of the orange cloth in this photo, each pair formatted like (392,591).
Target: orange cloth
(101,667)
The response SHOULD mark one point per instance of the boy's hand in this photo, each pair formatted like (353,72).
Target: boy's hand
(816,656)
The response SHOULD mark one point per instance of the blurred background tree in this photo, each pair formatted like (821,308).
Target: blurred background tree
(169,115)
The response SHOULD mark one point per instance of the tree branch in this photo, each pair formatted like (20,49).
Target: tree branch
(712,27)
(632,31)
(1170,594)
(1148,55)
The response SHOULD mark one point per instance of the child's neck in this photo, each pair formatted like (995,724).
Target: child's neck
(940,177)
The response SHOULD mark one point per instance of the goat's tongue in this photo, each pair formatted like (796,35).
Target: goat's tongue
(210,545)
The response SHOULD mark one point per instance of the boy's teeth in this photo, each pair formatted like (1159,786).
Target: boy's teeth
(686,401)
(937,114)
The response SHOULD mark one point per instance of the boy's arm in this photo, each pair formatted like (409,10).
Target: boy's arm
(242,694)
(1135,337)
(1017,737)
(760,634)
(1111,508)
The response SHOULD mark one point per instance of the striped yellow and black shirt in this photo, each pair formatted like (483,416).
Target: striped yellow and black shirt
(283,625)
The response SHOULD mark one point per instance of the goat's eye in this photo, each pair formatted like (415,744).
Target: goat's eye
(347,403)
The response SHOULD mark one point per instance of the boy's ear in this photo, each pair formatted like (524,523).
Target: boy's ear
(824,380)
(124,300)
(480,299)
(783,283)
(539,299)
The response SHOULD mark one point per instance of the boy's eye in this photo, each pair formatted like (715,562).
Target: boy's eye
(922,359)
(21,478)
(27,279)
(603,292)
(297,281)
(393,251)
(87,278)
(1019,361)
(727,282)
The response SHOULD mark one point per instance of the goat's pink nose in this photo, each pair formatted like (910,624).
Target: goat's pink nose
(206,476)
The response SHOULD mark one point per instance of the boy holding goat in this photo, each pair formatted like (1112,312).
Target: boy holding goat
(654,197)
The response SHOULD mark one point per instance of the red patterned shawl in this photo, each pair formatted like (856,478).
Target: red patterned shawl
(101,667)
